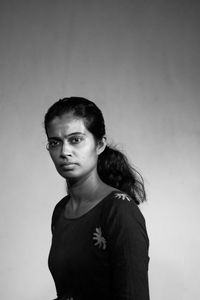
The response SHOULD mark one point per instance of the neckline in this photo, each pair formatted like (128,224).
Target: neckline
(90,210)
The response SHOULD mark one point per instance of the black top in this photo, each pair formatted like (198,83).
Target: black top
(103,254)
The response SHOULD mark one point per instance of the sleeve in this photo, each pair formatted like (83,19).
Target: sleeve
(127,244)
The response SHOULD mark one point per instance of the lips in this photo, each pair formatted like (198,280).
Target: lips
(65,165)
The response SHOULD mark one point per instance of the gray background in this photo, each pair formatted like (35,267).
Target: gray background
(139,61)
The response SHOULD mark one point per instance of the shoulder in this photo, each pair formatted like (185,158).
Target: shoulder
(61,204)
(123,219)
(57,210)
(120,200)
(122,206)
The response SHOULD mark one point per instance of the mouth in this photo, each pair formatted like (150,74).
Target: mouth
(67,165)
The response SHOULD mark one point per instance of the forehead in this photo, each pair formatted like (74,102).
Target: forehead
(66,124)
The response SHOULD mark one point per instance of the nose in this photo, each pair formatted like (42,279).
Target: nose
(66,149)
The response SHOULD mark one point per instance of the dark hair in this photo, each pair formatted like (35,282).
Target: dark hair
(113,166)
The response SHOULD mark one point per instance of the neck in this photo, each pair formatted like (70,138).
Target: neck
(84,189)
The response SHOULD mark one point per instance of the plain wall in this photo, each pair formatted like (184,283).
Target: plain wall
(139,61)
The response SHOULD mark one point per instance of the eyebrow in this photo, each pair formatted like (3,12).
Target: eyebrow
(71,134)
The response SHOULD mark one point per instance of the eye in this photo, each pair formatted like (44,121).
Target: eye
(75,139)
(53,144)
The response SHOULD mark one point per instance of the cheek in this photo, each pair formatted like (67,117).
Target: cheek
(88,154)
(54,158)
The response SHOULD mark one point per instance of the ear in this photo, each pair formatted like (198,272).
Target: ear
(101,145)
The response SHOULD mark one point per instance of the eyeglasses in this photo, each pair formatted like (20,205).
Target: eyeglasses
(54,145)
(73,140)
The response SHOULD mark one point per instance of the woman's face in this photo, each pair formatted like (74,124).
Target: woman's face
(72,147)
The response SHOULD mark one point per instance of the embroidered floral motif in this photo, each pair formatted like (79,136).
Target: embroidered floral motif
(100,240)
(122,196)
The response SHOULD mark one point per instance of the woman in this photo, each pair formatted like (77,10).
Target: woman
(99,245)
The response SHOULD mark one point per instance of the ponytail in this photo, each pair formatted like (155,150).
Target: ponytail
(114,169)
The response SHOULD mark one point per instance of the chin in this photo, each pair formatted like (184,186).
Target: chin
(75,174)
(69,174)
